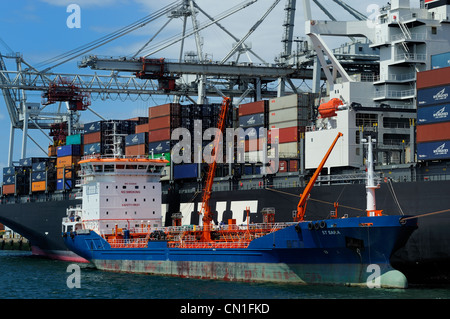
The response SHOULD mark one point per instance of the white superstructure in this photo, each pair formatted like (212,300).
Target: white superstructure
(118,192)
(381,105)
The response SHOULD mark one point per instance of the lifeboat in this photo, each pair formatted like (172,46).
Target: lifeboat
(329,108)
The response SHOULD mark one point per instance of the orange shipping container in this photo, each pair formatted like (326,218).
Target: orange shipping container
(142,128)
(92,138)
(38,186)
(67,161)
(433,132)
(136,150)
(9,189)
(52,150)
(60,173)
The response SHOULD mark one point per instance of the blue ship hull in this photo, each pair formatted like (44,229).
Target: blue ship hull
(350,251)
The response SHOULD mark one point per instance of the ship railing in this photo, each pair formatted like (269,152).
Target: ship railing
(414,37)
(411,56)
(266,227)
(213,245)
(87,157)
(128,243)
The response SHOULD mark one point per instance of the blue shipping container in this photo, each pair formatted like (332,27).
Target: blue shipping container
(11,170)
(29,161)
(39,167)
(433,114)
(185,171)
(38,176)
(252,120)
(94,148)
(440,60)
(9,179)
(159,147)
(433,96)
(68,150)
(60,185)
(136,139)
(433,150)
(92,127)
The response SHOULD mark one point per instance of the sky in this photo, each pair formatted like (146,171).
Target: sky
(40,30)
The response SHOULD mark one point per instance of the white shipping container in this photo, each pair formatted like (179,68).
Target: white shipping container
(288,150)
(287,114)
(284,124)
(283,102)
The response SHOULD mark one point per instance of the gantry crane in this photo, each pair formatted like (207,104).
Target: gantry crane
(209,78)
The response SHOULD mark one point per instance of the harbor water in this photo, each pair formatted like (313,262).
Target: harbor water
(24,276)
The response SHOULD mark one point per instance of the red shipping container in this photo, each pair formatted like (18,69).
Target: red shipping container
(252,108)
(159,135)
(163,110)
(141,128)
(282,167)
(293,165)
(433,132)
(432,78)
(136,150)
(91,138)
(254,145)
(285,135)
(163,122)
(159,123)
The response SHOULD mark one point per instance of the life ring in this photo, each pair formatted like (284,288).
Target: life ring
(313,22)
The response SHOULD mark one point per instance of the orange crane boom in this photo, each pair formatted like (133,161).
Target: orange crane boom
(301,207)
(206,209)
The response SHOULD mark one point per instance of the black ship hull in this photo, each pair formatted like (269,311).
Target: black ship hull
(424,258)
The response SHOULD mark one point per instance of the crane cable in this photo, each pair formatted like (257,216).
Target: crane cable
(74,53)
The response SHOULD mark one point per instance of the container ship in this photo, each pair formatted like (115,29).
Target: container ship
(403,106)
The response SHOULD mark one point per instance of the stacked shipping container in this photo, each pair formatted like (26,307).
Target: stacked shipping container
(43,175)
(67,165)
(289,114)
(433,120)
(253,115)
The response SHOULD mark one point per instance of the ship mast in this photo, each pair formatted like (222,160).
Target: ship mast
(371,206)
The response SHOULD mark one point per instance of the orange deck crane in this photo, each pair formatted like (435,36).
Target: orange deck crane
(301,207)
(206,209)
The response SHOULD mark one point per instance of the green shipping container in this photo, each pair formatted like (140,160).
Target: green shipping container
(166,156)
(76,139)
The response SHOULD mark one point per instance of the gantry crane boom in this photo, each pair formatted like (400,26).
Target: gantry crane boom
(206,209)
